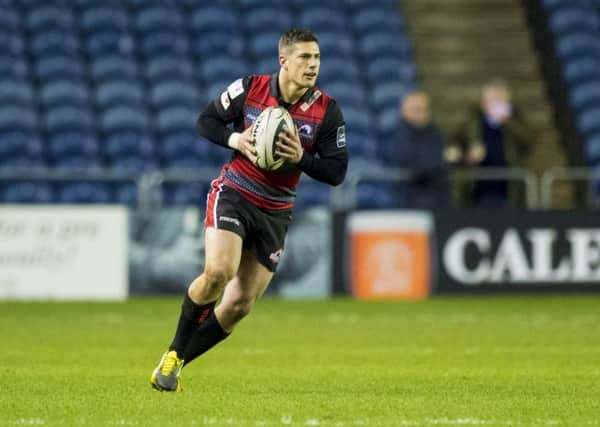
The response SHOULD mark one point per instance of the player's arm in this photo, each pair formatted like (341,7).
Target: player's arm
(228,108)
(332,161)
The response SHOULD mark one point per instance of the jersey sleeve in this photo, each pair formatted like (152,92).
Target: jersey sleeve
(227,108)
(331,162)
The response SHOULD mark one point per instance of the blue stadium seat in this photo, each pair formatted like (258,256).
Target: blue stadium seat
(193,5)
(11,43)
(223,68)
(25,192)
(116,92)
(27,163)
(246,5)
(358,119)
(184,144)
(382,44)
(585,95)
(9,19)
(387,122)
(388,95)
(588,121)
(64,118)
(128,143)
(376,19)
(258,20)
(336,45)
(346,94)
(592,148)
(580,69)
(114,67)
(124,117)
(186,194)
(16,92)
(323,18)
(125,193)
(213,19)
(13,117)
(19,144)
(53,41)
(311,193)
(78,165)
(56,67)
(188,163)
(157,18)
(168,68)
(133,166)
(163,42)
(566,20)
(218,43)
(12,67)
(49,16)
(64,92)
(268,65)
(73,144)
(264,44)
(99,17)
(362,145)
(334,69)
(106,42)
(356,5)
(390,70)
(381,195)
(84,192)
(176,118)
(578,44)
(174,93)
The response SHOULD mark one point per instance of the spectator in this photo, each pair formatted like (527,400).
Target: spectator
(493,135)
(419,146)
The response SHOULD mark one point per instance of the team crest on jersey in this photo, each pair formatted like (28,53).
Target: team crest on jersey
(306,105)
(305,130)
(341,136)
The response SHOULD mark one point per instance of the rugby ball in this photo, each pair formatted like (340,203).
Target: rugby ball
(268,125)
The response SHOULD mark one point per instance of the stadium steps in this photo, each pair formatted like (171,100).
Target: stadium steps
(460,44)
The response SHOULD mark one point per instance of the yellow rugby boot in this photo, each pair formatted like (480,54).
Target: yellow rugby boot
(166,375)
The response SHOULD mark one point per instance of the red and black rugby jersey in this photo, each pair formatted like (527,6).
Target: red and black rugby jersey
(320,126)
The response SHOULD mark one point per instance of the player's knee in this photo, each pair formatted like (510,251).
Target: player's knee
(240,308)
(216,279)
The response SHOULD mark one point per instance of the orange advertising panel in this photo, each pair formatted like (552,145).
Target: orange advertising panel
(390,255)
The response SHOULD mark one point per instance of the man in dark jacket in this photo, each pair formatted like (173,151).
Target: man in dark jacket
(419,146)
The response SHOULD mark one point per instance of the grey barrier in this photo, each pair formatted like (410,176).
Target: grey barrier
(552,176)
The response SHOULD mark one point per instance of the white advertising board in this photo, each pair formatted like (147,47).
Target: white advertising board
(63,252)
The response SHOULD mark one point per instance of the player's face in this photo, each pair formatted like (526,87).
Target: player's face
(302,63)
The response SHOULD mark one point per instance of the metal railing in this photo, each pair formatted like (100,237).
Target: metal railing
(343,197)
(552,176)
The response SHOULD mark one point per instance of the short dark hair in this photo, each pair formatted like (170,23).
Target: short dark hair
(296,35)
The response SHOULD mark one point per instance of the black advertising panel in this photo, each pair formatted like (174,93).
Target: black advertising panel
(480,251)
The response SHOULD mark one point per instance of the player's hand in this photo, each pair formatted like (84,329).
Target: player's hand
(289,146)
(246,145)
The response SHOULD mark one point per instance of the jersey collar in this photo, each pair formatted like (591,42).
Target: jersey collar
(274,91)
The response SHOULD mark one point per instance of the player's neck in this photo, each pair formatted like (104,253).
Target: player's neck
(289,91)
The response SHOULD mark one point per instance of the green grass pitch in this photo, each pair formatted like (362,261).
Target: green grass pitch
(491,361)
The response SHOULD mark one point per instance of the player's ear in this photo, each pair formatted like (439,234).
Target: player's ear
(282,60)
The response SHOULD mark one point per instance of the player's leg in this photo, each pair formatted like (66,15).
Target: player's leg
(238,298)
(223,251)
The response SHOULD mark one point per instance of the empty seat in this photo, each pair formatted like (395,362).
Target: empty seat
(184,144)
(114,67)
(311,193)
(49,16)
(218,43)
(381,195)
(101,17)
(585,95)
(73,143)
(13,117)
(588,121)
(156,18)
(125,193)
(323,18)
(213,19)
(390,70)
(11,42)
(336,45)
(573,19)
(9,19)
(64,118)
(579,69)
(124,117)
(52,42)
(26,192)
(346,94)
(577,45)
(133,166)
(14,143)
(265,44)
(106,42)
(84,192)
(376,19)
(128,143)
(266,65)
(174,93)
(186,194)
(12,67)
(176,118)
(15,92)
(64,92)
(168,68)
(223,68)
(55,67)
(333,69)
(162,42)
(387,95)
(357,119)
(116,92)
(383,44)
(257,20)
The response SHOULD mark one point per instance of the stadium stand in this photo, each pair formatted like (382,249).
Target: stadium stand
(117,85)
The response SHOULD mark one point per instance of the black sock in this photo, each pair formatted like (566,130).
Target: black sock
(206,336)
(191,316)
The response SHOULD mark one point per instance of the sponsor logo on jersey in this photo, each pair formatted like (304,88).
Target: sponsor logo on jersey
(235,89)
(229,219)
(225,102)
(341,136)
(306,105)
